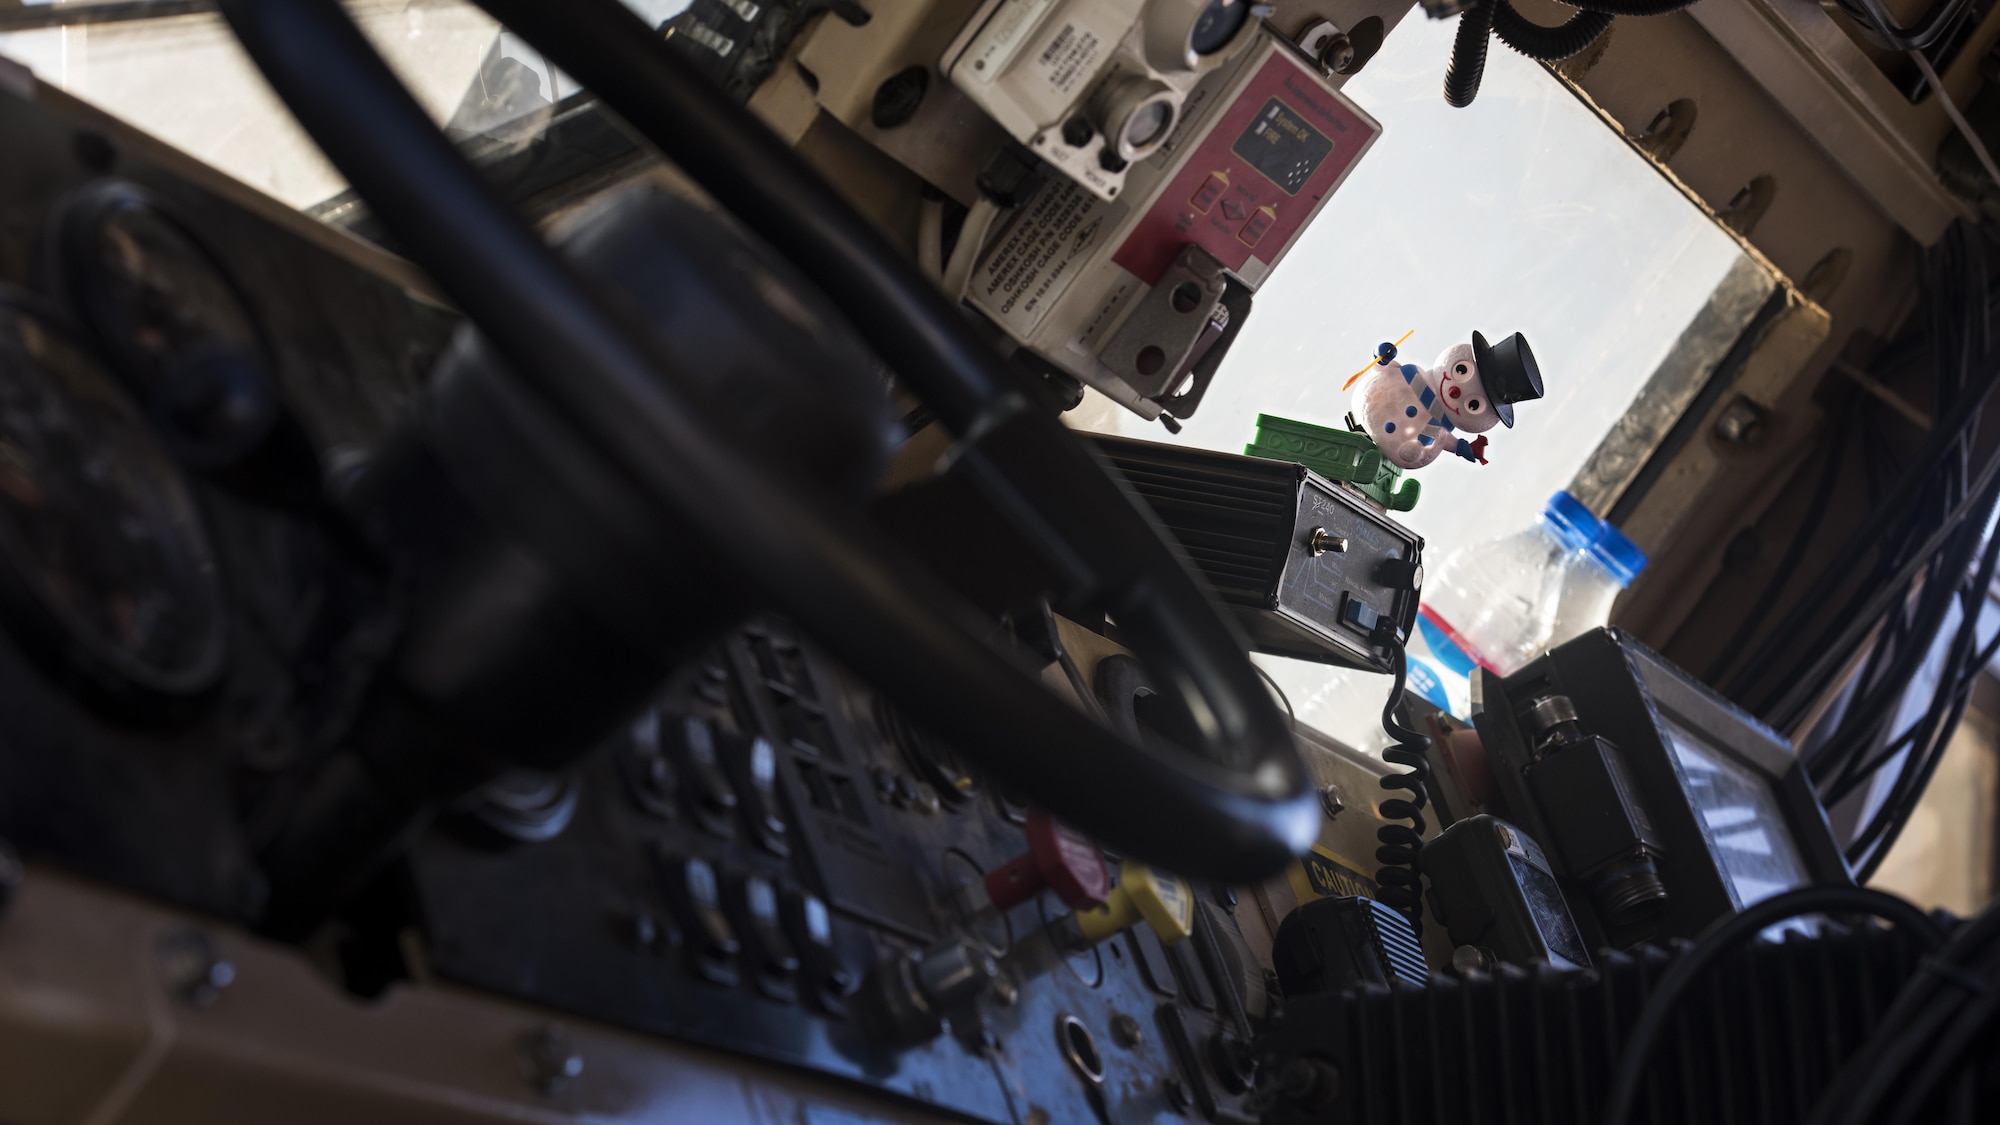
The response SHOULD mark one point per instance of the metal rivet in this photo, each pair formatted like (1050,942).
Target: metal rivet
(548,1057)
(1330,800)
(1126,1032)
(191,969)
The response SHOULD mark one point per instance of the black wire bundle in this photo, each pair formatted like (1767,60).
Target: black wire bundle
(1926,538)
(1939,21)
(1925,1059)
(1399,879)
(1723,937)
(1540,42)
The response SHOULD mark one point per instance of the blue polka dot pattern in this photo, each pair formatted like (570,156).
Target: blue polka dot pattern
(1409,412)
(1388,427)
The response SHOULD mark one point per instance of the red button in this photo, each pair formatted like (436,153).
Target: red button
(1211,189)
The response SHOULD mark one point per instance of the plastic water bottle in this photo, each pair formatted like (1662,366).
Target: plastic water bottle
(1610,565)
(1497,603)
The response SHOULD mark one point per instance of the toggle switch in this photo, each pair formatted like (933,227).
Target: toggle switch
(1057,859)
(761,921)
(824,980)
(1163,902)
(695,893)
(709,797)
(761,809)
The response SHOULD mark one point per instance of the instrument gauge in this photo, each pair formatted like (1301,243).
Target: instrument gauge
(105,569)
(174,325)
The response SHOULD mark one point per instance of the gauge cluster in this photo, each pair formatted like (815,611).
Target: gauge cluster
(177,626)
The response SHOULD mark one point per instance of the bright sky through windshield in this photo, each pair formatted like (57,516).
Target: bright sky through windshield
(1521,213)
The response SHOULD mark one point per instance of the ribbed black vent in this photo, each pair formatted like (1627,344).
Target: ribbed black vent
(1757,1046)
(1398,943)
(1233,515)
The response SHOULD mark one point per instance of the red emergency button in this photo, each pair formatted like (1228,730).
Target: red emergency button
(1253,231)
(1058,859)
(1211,189)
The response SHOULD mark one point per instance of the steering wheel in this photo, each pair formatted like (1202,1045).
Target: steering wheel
(1236,808)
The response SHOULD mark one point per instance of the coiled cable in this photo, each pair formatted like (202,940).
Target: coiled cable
(1400,879)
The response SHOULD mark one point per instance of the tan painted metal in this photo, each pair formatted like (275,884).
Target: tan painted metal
(93,1032)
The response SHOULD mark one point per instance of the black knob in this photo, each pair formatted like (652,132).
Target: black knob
(1400,574)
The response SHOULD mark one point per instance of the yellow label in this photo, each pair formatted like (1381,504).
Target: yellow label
(1166,902)
(1324,874)
(1161,901)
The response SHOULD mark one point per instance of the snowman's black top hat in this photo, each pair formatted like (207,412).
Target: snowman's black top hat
(1509,371)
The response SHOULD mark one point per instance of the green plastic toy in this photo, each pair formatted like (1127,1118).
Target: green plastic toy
(1336,455)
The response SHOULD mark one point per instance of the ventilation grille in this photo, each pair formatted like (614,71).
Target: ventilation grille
(1758,1044)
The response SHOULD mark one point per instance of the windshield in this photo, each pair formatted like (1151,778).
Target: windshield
(1522,213)
(172,69)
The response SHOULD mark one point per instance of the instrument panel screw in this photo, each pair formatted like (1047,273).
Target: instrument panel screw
(1331,801)
(548,1057)
(1126,1032)
(191,969)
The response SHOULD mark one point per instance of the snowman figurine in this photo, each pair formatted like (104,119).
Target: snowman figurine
(1413,414)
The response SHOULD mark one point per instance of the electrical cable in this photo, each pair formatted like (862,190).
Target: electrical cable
(1930,556)
(1280,693)
(1543,43)
(1631,7)
(1723,937)
(1882,532)
(1468,54)
(972,236)
(1400,878)
(1941,717)
(1485,19)
(1910,1032)
(1935,24)
(1809,522)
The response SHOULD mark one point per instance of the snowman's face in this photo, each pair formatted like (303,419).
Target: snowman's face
(1462,394)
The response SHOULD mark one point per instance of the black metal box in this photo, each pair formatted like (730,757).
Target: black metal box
(1309,567)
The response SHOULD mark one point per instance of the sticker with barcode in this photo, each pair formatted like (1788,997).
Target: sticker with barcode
(996,43)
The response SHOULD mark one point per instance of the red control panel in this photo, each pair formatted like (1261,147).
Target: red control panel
(1282,146)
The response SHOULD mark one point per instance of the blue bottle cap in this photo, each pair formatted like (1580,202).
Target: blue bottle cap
(1616,552)
(1574,524)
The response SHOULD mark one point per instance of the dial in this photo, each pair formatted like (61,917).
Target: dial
(173,324)
(105,569)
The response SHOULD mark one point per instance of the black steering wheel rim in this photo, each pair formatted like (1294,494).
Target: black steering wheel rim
(1238,813)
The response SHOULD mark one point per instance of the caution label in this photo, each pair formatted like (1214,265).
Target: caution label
(1322,874)
(1034,261)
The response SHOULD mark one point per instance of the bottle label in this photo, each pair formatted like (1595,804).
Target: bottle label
(1451,649)
(1425,681)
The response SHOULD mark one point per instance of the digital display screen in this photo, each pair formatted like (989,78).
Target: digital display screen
(1283,147)
(1741,817)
